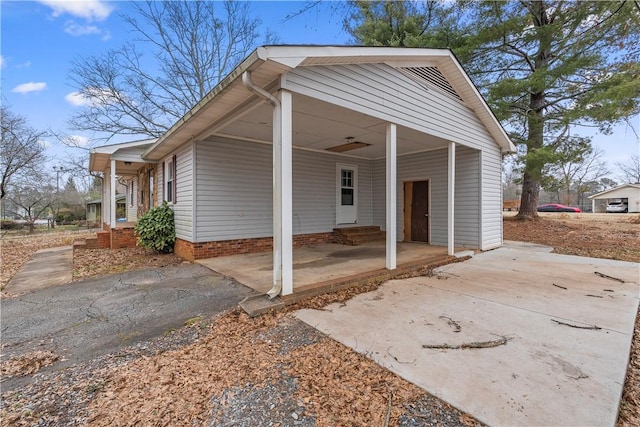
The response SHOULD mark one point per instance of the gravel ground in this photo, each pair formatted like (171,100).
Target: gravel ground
(273,380)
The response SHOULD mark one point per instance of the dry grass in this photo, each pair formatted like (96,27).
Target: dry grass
(607,236)
(96,262)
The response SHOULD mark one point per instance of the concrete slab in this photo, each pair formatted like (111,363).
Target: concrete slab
(47,267)
(317,263)
(257,305)
(546,374)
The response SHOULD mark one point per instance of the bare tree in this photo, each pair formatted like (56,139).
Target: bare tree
(577,165)
(181,51)
(629,171)
(21,149)
(32,199)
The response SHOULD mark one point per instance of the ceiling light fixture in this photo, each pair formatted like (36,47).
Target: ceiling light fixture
(348,146)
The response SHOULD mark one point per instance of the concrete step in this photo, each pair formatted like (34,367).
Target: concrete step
(365,238)
(364,229)
(354,236)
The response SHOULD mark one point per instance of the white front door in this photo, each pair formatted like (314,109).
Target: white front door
(347,194)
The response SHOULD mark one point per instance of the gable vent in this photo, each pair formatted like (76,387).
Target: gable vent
(432,77)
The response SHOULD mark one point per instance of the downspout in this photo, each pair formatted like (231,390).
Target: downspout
(277,256)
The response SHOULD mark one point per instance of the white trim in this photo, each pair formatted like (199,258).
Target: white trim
(391,199)
(481,205)
(112,196)
(194,189)
(339,168)
(451,194)
(286,181)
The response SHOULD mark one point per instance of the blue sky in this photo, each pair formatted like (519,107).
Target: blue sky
(41,38)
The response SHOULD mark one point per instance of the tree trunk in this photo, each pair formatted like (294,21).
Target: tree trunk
(529,198)
(533,164)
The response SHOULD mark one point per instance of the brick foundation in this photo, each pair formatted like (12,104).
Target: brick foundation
(114,238)
(123,238)
(193,251)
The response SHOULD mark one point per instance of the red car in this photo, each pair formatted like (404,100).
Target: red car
(557,207)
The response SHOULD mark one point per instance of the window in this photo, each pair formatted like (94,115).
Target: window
(170,173)
(151,192)
(347,187)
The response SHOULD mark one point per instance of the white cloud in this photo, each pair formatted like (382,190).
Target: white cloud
(44,143)
(76,99)
(75,29)
(30,87)
(93,97)
(77,141)
(91,10)
(3,61)
(26,64)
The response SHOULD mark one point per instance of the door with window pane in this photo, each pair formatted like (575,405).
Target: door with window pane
(347,194)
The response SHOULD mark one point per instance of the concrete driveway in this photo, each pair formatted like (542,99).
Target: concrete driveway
(89,318)
(553,337)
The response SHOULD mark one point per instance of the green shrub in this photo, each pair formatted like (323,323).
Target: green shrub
(156,229)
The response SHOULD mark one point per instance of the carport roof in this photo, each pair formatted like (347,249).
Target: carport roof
(603,194)
(268,63)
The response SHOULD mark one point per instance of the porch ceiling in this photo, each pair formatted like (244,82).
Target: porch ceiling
(320,125)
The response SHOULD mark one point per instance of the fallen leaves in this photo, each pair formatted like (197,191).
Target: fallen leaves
(591,235)
(96,262)
(27,364)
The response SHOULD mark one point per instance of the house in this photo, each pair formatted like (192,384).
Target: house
(629,193)
(94,208)
(300,140)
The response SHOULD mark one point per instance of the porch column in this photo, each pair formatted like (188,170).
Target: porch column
(112,196)
(391,196)
(282,195)
(286,195)
(451,184)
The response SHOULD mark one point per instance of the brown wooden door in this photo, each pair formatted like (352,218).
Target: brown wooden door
(418,203)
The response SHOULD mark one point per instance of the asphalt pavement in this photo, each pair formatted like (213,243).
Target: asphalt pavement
(82,320)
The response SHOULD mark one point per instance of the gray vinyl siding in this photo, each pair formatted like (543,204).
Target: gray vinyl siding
(467,198)
(183,209)
(432,166)
(234,187)
(381,91)
(491,198)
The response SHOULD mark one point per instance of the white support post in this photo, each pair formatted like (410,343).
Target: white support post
(277,199)
(286,193)
(112,196)
(391,196)
(451,185)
